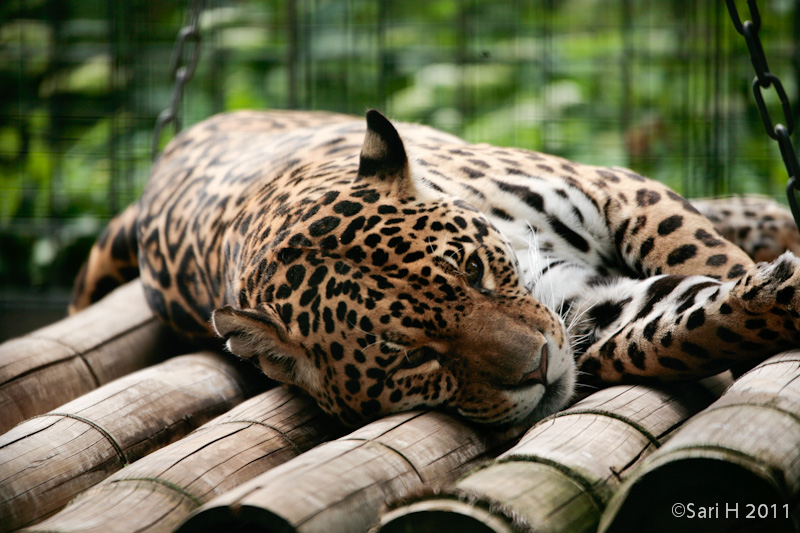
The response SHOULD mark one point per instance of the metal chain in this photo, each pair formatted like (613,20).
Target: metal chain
(764,80)
(182,70)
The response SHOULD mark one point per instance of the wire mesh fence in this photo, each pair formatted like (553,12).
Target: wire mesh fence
(661,87)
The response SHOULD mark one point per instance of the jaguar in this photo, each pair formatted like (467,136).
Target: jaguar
(757,224)
(383,267)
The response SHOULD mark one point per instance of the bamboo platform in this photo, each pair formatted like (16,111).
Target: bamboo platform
(340,486)
(563,471)
(737,461)
(58,363)
(157,492)
(89,438)
(89,399)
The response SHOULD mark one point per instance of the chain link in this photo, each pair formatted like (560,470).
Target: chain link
(764,80)
(182,69)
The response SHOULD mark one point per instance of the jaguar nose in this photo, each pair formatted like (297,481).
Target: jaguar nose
(540,374)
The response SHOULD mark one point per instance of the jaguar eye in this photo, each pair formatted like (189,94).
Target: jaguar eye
(417,357)
(473,269)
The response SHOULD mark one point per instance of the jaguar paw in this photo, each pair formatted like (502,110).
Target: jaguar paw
(770,285)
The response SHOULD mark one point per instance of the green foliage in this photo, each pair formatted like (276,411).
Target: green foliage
(662,87)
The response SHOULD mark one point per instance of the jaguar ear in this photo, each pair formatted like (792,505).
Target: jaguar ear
(383,155)
(261,336)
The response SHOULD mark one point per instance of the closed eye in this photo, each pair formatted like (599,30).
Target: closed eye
(448,263)
(418,357)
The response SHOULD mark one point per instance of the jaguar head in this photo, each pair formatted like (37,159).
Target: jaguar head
(396,297)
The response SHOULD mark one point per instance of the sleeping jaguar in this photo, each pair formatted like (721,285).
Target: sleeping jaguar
(383,267)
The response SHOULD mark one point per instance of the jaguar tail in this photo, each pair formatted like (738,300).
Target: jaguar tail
(113,261)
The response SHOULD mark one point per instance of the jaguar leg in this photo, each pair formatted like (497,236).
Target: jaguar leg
(656,231)
(758,225)
(676,326)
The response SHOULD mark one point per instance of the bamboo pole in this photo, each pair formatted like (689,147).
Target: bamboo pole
(47,460)
(737,463)
(563,471)
(158,491)
(341,485)
(56,364)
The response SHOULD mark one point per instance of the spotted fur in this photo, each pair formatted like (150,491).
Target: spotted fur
(386,267)
(758,225)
